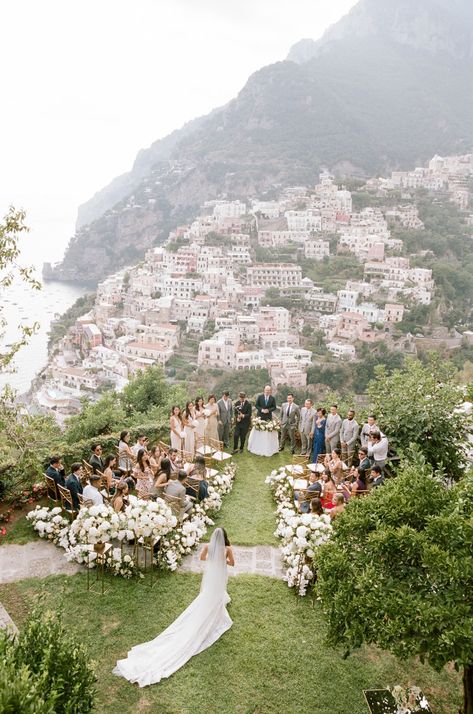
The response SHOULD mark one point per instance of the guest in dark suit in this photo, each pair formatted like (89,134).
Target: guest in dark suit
(243,410)
(56,471)
(96,459)
(265,404)
(74,485)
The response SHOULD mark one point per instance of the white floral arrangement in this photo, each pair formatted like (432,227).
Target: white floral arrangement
(147,519)
(48,523)
(268,426)
(301,534)
(408,699)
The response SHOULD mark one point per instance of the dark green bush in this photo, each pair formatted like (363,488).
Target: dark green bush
(19,691)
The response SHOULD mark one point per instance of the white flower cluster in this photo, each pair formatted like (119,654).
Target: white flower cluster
(262,425)
(186,536)
(49,523)
(301,534)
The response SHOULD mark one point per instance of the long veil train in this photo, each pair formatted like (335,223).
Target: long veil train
(198,627)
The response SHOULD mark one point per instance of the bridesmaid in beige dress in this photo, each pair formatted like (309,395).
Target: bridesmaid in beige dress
(189,428)
(176,426)
(211,412)
(200,421)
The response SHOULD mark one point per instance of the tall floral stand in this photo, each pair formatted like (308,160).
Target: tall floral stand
(144,557)
(103,552)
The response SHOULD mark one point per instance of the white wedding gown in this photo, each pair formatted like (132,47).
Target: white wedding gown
(198,627)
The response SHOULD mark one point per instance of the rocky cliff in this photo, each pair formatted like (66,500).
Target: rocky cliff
(387,86)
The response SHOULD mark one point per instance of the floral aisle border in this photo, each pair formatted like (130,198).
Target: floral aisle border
(141,519)
(301,534)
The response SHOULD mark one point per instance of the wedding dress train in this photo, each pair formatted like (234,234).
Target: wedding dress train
(198,627)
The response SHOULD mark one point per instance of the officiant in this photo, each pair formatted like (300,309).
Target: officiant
(265,404)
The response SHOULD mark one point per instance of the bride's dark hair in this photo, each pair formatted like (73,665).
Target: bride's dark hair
(225,537)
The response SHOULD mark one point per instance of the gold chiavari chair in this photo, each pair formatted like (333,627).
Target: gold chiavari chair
(52,491)
(174,504)
(219,454)
(66,502)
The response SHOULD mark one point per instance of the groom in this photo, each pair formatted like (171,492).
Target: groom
(265,404)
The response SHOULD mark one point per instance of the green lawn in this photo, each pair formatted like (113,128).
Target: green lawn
(20,531)
(248,512)
(273,660)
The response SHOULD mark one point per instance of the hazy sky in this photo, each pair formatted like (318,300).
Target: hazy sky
(86,83)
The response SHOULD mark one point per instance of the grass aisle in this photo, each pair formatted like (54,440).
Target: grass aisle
(248,512)
(272,661)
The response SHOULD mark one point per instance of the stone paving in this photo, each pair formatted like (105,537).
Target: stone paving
(6,622)
(257,560)
(37,559)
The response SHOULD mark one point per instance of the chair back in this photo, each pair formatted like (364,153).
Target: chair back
(88,470)
(174,504)
(104,484)
(193,484)
(163,446)
(53,493)
(66,500)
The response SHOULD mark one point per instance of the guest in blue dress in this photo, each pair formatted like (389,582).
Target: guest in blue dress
(319,435)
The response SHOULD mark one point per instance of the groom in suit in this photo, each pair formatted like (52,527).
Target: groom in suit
(265,404)
(243,422)
(290,417)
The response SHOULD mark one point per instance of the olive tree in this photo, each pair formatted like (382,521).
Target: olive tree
(398,572)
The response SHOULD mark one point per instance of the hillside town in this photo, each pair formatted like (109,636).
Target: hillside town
(212,278)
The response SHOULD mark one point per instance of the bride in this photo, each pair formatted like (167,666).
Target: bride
(198,627)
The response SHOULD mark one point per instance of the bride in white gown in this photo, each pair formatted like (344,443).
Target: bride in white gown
(198,627)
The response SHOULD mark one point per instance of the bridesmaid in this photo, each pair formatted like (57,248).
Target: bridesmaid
(211,430)
(200,420)
(189,428)
(319,435)
(176,426)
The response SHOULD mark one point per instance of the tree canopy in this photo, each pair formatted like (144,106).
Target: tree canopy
(398,571)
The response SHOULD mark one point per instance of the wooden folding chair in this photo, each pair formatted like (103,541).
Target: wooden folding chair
(164,447)
(174,504)
(52,492)
(66,502)
(219,454)
(88,470)
(192,484)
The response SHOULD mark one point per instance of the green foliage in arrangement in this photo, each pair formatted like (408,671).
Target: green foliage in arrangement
(399,568)
(421,405)
(46,669)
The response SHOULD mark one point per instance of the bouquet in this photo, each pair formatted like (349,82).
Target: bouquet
(268,426)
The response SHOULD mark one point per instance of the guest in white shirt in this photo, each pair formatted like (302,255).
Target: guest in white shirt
(378,447)
(141,443)
(91,491)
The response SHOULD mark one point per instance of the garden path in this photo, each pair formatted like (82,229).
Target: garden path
(36,559)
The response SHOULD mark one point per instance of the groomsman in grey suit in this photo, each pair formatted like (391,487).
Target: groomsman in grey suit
(307,426)
(348,437)
(290,416)
(332,429)
(225,416)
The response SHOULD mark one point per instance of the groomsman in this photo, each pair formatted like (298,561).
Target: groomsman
(290,416)
(265,404)
(307,426)
(225,414)
(348,437)
(243,422)
(332,429)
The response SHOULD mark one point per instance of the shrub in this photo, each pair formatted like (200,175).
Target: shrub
(48,660)
(19,692)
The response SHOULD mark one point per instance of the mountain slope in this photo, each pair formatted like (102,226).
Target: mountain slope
(388,86)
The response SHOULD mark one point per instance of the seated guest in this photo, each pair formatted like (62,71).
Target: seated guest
(120,500)
(316,507)
(335,465)
(140,444)
(56,471)
(377,476)
(329,489)
(96,460)
(156,455)
(161,478)
(314,487)
(175,460)
(378,447)
(91,491)
(125,454)
(358,485)
(143,474)
(365,463)
(176,489)
(338,505)
(199,472)
(109,465)
(74,485)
